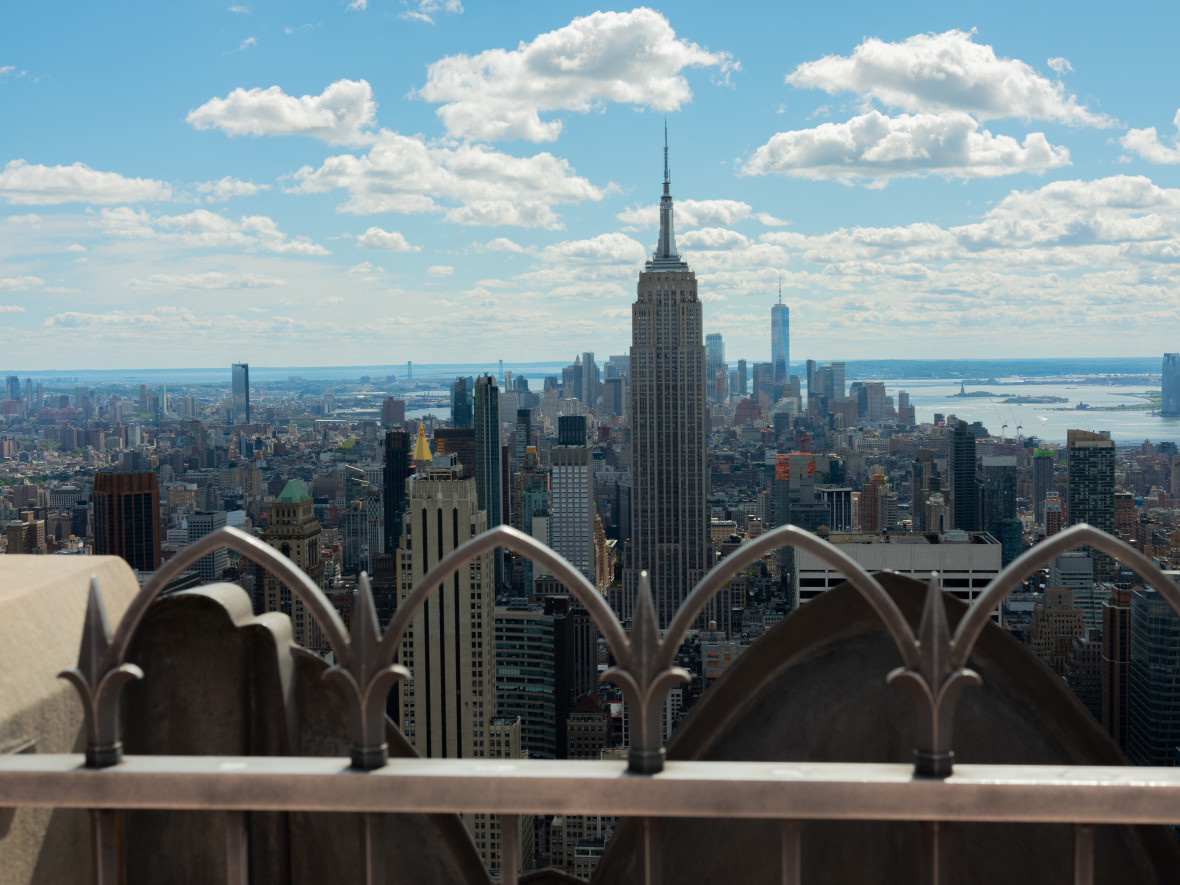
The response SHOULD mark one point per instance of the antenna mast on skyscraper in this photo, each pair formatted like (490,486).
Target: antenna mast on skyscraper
(667,174)
(780,288)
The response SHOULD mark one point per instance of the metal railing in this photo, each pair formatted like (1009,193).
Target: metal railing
(933,790)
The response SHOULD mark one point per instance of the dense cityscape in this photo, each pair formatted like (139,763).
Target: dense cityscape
(297,300)
(662,461)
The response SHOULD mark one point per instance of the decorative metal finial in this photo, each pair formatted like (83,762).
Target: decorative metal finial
(934,687)
(99,684)
(645,681)
(366,680)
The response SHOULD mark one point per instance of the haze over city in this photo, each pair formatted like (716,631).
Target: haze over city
(366,183)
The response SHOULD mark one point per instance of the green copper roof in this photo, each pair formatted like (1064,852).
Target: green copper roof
(293,493)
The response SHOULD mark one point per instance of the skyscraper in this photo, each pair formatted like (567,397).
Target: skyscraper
(525,675)
(780,341)
(461,402)
(127,518)
(293,530)
(613,400)
(1090,491)
(714,361)
(393,485)
(572,522)
(446,706)
(521,439)
(489,466)
(743,378)
(589,393)
(1153,729)
(1116,636)
(241,390)
(1042,482)
(457,441)
(764,383)
(393,412)
(667,406)
(211,566)
(963,485)
(1170,401)
(999,504)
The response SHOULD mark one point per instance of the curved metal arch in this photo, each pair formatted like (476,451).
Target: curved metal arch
(793,536)
(1082,534)
(518,542)
(258,551)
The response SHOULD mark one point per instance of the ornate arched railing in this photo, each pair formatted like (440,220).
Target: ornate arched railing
(934,663)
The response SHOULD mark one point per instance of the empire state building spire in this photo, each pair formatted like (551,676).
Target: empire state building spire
(666,257)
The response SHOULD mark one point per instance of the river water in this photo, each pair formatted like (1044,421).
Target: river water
(1048,422)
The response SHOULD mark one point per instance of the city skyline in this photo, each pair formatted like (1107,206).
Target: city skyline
(355,182)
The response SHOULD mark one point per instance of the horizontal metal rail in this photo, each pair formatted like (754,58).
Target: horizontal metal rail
(784,790)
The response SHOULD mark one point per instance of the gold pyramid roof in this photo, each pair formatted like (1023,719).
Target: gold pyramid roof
(421,447)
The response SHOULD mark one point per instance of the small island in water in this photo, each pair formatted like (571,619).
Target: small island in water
(1034,400)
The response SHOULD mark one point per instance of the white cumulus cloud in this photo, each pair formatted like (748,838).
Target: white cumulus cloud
(499,244)
(425,10)
(32,184)
(1147,144)
(228,187)
(208,281)
(603,249)
(469,183)
(696,213)
(386,240)
(338,115)
(20,284)
(202,229)
(713,239)
(929,73)
(365,272)
(440,270)
(626,57)
(876,147)
(11,308)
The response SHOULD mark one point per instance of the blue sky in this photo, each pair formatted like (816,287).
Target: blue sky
(338,183)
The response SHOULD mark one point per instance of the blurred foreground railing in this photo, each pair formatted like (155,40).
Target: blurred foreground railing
(933,790)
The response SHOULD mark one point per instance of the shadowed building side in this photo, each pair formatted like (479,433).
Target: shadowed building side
(813,690)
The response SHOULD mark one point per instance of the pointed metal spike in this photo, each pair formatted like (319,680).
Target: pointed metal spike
(96,637)
(645,638)
(933,634)
(366,631)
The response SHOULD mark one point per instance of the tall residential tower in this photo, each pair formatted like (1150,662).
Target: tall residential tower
(667,406)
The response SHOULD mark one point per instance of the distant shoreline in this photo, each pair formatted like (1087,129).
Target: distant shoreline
(1089,370)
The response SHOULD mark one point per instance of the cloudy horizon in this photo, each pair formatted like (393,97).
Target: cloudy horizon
(375,182)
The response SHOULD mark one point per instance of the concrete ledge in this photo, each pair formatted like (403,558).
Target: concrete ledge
(42,610)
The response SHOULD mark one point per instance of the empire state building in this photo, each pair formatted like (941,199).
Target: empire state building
(667,399)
